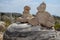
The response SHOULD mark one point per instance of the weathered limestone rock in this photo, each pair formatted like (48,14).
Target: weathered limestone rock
(20,19)
(26,14)
(27,32)
(33,22)
(44,18)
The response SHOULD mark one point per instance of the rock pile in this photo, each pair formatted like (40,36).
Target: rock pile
(42,18)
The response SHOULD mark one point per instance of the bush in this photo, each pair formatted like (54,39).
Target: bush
(7,24)
(57,26)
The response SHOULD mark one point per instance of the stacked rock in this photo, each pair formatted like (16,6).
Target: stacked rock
(26,15)
(44,18)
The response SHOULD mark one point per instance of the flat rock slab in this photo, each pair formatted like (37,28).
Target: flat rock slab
(31,35)
(28,32)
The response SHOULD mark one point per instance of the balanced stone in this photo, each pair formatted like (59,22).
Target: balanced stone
(44,18)
(4,17)
(26,15)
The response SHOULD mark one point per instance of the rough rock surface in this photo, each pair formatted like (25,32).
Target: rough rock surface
(26,15)
(33,22)
(58,35)
(27,32)
(44,18)
(20,19)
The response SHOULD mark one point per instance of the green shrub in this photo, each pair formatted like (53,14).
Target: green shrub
(7,24)
(57,26)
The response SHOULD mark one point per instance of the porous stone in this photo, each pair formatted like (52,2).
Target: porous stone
(33,22)
(20,19)
(16,32)
(26,15)
(44,18)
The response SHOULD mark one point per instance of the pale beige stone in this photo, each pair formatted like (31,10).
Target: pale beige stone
(44,18)
(19,19)
(33,21)
(41,7)
(26,15)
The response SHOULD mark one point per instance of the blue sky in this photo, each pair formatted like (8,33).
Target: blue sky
(53,6)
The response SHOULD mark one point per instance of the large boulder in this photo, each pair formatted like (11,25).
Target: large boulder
(25,31)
